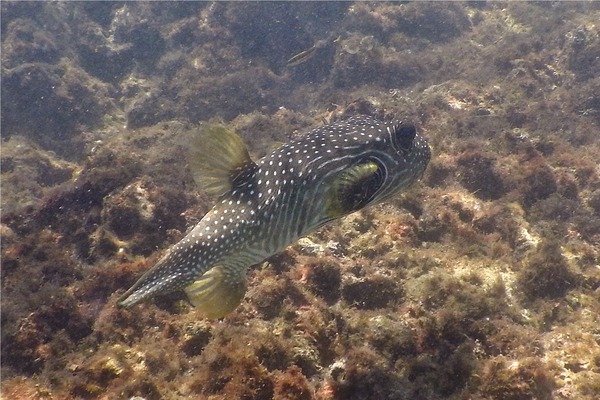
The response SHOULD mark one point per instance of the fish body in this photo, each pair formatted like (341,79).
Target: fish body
(262,207)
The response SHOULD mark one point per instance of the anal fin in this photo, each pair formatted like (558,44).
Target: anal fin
(218,292)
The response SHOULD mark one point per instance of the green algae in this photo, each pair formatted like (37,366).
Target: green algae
(482,282)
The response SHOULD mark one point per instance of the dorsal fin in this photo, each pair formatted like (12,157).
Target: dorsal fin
(219,160)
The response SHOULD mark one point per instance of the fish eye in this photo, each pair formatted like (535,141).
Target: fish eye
(403,135)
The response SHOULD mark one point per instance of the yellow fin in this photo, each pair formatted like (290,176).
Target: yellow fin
(217,156)
(218,292)
(353,188)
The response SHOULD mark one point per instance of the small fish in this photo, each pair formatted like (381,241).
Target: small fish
(264,206)
(302,57)
(309,53)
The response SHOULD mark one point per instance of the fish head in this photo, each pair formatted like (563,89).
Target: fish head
(407,155)
(374,160)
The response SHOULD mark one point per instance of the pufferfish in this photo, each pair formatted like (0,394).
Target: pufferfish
(264,206)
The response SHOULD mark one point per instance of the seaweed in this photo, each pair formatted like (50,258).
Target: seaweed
(546,273)
(481,282)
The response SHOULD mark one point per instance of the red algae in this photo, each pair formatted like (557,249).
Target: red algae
(292,385)
(480,282)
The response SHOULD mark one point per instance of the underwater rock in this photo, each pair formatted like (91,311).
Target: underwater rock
(364,374)
(584,54)
(479,175)
(29,173)
(540,183)
(142,38)
(123,212)
(142,214)
(434,22)
(24,41)
(324,279)
(371,293)
(379,65)
(292,385)
(269,297)
(197,335)
(482,282)
(121,42)
(147,109)
(546,273)
(103,59)
(276,29)
(51,103)
(587,104)
(227,95)
(392,337)
(594,201)
(527,378)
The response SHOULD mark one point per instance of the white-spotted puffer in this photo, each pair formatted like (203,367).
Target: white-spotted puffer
(262,207)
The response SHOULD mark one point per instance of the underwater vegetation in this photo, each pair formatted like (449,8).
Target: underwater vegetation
(480,282)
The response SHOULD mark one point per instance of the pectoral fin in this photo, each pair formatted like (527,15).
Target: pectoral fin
(353,188)
(218,292)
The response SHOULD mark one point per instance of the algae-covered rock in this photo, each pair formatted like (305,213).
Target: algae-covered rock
(480,282)
(51,104)
(372,293)
(546,273)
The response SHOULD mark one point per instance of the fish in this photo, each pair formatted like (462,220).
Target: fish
(262,207)
(309,53)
